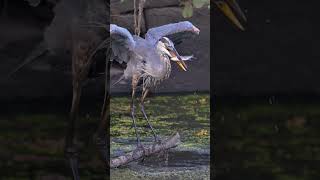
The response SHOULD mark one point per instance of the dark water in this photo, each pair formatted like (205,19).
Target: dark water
(267,138)
(32,137)
(32,133)
(178,159)
(254,138)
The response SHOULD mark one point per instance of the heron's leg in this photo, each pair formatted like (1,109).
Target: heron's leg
(135,80)
(70,149)
(100,136)
(144,94)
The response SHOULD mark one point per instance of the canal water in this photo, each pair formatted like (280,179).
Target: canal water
(271,137)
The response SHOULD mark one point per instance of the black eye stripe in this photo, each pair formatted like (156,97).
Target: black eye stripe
(164,40)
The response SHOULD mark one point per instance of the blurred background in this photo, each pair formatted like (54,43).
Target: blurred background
(265,92)
(35,101)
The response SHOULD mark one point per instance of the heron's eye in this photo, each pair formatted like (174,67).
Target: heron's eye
(169,47)
(166,56)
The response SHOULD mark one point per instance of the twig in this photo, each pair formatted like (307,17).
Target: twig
(137,20)
(141,4)
(135,16)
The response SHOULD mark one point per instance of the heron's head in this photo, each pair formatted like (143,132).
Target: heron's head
(166,46)
(231,9)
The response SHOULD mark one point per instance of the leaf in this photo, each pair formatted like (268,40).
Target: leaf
(202,132)
(199,3)
(187,10)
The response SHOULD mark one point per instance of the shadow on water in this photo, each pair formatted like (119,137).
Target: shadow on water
(178,159)
(267,138)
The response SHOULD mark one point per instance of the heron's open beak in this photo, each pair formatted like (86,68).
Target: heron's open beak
(231,9)
(174,53)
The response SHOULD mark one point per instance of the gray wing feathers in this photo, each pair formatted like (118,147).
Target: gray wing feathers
(122,43)
(154,34)
(122,35)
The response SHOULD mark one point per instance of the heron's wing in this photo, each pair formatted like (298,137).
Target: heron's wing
(181,28)
(178,38)
(122,43)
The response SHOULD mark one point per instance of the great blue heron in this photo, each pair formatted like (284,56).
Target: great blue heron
(148,59)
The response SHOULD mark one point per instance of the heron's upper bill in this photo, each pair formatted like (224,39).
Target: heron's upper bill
(166,46)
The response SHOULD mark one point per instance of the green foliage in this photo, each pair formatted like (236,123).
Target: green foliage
(188,6)
(199,3)
(187,10)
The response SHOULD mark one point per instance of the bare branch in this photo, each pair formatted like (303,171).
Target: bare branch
(137,20)
(171,142)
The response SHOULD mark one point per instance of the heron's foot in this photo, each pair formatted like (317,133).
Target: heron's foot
(119,152)
(138,149)
(72,156)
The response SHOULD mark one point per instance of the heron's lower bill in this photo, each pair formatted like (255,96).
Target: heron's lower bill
(182,65)
(174,53)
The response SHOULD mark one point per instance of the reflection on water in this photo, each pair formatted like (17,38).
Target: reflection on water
(32,141)
(257,139)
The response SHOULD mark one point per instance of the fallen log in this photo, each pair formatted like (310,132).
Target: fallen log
(136,154)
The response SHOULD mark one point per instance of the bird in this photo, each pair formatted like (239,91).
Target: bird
(148,60)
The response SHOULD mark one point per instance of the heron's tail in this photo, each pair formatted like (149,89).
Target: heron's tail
(39,50)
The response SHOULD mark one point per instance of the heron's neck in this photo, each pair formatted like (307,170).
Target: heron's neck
(167,64)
